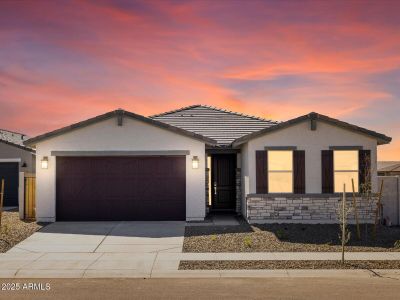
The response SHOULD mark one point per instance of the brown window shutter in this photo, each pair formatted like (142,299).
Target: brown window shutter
(327,171)
(261,172)
(299,171)
(364,167)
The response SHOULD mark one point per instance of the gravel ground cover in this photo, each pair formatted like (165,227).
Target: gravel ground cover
(280,264)
(13,230)
(286,238)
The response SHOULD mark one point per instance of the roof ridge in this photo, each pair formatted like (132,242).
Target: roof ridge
(174,111)
(240,114)
(215,108)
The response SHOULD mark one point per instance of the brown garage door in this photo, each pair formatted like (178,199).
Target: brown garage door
(120,188)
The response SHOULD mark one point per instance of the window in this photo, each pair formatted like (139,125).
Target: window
(345,166)
(280,171)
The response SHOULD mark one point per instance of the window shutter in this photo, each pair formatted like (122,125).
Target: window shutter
(327,171)
(299,171)
(364,167)
(261,172)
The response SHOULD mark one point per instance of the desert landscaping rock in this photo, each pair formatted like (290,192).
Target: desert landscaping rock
(285,237)
(279,264)
(13,230)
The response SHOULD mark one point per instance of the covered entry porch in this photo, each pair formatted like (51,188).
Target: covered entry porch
(223,181)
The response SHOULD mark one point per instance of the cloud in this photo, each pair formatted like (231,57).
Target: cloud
(72,60)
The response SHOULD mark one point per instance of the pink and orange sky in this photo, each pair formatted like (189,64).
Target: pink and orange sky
(63,61)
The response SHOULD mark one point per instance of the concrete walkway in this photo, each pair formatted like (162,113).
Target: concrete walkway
(216,220)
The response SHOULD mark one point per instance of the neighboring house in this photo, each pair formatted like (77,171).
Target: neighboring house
(389,168)
(180,164)
(14,158)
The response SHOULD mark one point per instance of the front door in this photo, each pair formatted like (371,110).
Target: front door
(223,180)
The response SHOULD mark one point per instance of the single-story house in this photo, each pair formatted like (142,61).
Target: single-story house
(388,168)
(15,157)
(181,164)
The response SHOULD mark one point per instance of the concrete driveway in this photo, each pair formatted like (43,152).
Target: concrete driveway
(96,249)
(106,237)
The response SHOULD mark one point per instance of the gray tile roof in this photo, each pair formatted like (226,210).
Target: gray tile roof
(13,138)
(221,125)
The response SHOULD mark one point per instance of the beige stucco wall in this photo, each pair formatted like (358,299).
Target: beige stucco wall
(301,136)
(11,152)
(391,199)
(134,135)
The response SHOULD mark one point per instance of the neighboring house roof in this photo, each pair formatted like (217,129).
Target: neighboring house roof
(381,138)
(14,139)
(221,125)
(388,166)
(117,113)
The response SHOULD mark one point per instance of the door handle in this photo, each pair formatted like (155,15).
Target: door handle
(215,188)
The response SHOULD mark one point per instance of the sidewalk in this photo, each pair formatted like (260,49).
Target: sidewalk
(291,256)
(165,265)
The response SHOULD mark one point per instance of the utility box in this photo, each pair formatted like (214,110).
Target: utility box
(391,199)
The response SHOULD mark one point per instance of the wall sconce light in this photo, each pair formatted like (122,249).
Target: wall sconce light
(195,162)
(45,162)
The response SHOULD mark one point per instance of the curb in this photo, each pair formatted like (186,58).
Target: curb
(288,273)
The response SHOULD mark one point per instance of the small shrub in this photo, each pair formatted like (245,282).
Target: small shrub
(5,229)
(397,244)
(281,234)
(247,242)
(213,238)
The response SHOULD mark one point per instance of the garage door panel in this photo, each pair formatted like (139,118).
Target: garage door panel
(121,188)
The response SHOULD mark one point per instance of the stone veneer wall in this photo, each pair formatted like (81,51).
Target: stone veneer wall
(238,191)
(313,208)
